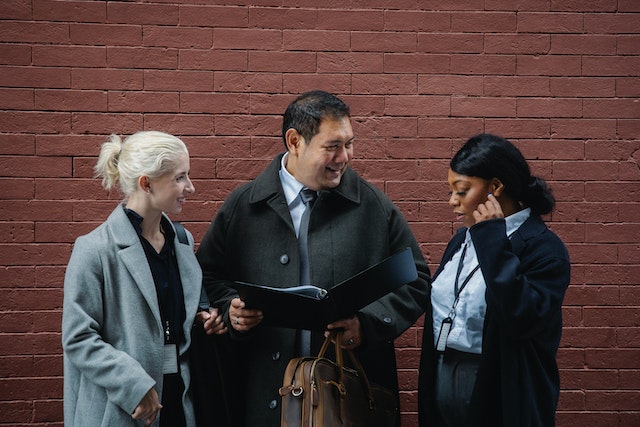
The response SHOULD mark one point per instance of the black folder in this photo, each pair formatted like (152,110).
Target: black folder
(311,307)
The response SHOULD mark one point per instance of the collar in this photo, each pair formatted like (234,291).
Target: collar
(514,221)
(290,185)
(136,220)
(267,184)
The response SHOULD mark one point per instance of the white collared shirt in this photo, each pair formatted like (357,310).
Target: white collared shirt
(292,187)
(470,311)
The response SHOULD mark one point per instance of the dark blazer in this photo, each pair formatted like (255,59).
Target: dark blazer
(252,239)
(526,277)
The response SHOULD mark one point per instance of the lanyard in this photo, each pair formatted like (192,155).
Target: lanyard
(447,323)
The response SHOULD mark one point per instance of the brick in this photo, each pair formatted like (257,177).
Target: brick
(549,107)
(583,128)
(448,127)
(418,105)
(610,150)
(35,77)
(301,62)
(142,57)
(582,86)
(350,20)
(482,107)
(178,37)
(214,16)
(628,337)
(495,22)
(16,412)
(181,124)
(38,122)
(48,410)
(610,66)
(518,128)
(247,82)
(516,86)
(384,42)
(27,166)
(588,337)
(628,108)
(450,85)
(578,379)
(531,44)
(215,103)
(143,13)
(458,5)
(69,56)
(281,18)
(97,34)
(16,10)
(157,102)
(483,64)
(416,63)
(348,62)
(70,100)
(582,44)
(107,123)
(611,23)
(231,125)
(69,11)
(83,78)
(34,32)
(247,38)
(613,400)
(15,54)
(606,192)
(313,40)
(549,65)
(299,82)
(386,127)
(518,5)
(546,22)
(449,43)
(398,84)
(417,20)
(628,44)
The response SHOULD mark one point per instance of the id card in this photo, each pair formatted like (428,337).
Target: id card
(170,365)
(445,328)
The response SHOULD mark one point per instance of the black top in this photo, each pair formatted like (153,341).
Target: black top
(166,276)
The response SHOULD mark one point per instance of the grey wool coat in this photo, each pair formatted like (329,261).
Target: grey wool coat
(252,239)
(112,334)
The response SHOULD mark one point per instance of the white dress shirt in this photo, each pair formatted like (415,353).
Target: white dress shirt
(470,310)
(292,187)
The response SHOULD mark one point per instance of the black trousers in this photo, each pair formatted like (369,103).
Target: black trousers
(456,376)
(172,412)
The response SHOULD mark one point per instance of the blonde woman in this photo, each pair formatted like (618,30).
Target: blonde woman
(131,295)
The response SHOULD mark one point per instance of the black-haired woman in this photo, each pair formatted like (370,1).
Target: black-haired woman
(493,328)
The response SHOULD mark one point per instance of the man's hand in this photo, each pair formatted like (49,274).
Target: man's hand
(352,335)
(243,319)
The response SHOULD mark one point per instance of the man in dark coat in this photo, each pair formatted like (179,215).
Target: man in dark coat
(352,226)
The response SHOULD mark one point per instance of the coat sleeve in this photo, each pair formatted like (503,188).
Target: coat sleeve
(387,318)
(525,293)
(123,378)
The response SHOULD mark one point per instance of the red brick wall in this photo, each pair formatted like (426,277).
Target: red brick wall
(560,78)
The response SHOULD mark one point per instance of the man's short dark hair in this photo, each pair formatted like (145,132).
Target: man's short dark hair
(308,110)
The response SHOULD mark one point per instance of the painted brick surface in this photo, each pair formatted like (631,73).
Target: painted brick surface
(561,79)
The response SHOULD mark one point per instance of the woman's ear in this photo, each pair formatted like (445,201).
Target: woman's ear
(144,183)
(496,186)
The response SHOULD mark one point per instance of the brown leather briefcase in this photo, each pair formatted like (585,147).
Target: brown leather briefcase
(318,392)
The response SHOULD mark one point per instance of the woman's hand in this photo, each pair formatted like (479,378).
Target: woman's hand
(243,319)
(148,408)
(211,321)
(490,209)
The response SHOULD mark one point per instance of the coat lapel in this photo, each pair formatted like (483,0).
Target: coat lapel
(132,257)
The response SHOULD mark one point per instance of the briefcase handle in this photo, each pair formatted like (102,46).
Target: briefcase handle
(335,337)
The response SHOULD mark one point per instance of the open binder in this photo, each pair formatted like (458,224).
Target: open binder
(312,307)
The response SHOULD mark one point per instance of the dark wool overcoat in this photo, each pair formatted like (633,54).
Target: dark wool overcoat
(252,239)
(526,277)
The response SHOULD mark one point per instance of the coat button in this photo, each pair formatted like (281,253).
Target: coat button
(387,320)
(284,259)
(273,404)
(276,355)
